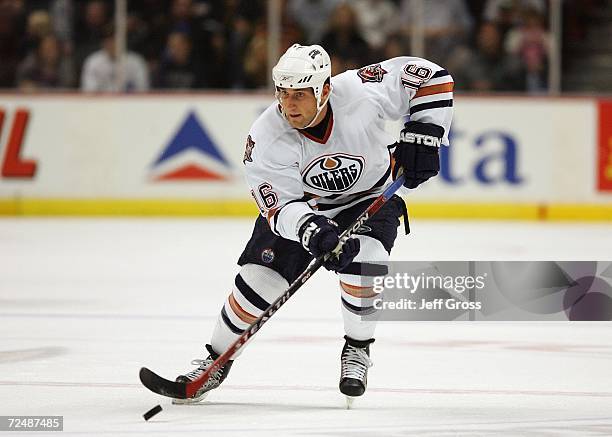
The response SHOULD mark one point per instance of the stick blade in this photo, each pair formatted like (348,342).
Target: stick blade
(161,386)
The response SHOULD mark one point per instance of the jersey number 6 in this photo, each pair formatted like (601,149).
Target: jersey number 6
(267,195)
(418,71)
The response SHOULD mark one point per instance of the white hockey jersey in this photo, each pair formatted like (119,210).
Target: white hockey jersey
(293,174)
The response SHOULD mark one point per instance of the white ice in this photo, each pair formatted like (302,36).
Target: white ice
(84,303)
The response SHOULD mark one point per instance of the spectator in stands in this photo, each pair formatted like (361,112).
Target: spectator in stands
(256,68)
(46,67)
(447,24)
(507,14)
(344,41)
(495,9)
(377,20)
(230,25)
(91,23)
(223,66)
(219,31)
(530,44)
(393,47)
(485,67)
(178,68)
(148,29)
(312,16)
(11,34)
(182,18)
(256,58)
(38,26)
(138,34)
(101,69)
(577,17)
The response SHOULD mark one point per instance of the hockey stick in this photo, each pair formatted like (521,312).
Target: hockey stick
(182,390)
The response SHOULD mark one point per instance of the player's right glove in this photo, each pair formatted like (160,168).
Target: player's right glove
(320,235)
(417,152)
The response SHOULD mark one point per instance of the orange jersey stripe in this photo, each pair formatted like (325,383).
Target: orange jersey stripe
(392,162)
(239,311)
(270,215)
(356,291)
(435,89)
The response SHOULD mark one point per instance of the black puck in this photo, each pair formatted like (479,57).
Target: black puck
(152,412)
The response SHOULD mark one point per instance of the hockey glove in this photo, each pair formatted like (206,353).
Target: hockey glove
(417,152)
(320,235)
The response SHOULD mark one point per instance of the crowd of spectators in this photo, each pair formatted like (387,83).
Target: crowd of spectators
(489,45)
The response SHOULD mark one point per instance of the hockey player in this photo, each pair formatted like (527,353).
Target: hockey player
(314,160)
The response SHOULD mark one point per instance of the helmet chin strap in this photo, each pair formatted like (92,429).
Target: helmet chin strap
(320,107)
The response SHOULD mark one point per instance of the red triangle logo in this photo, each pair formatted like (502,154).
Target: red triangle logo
(191,172)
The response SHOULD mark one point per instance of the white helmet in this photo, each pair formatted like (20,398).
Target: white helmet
(304,67)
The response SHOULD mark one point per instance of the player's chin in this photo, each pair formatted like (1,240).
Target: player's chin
(297,122)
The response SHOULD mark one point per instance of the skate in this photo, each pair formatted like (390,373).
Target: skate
(355,361)
(213,382)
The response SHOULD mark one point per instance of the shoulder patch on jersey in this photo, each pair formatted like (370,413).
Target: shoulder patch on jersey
(414,75)
(248,150)
(371,73)
(334,173)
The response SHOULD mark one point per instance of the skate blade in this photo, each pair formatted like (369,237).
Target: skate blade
(349,402)
(190,401)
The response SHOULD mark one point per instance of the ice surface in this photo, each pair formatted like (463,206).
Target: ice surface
(85,303)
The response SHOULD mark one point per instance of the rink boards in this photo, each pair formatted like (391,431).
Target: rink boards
(181,154)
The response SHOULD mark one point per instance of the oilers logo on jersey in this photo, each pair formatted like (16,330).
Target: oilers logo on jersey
(334,173)
(267,255)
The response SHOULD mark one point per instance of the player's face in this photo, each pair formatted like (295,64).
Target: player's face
(299,105)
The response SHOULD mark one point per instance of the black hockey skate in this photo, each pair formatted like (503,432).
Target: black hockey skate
(213,382)
(355,361)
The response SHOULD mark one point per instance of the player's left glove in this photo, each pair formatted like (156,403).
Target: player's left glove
(417,152)
(320,235)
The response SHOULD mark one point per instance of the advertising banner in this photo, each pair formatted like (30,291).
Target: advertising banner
(505,154)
